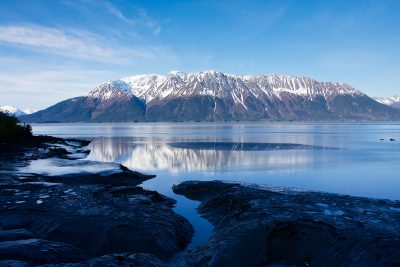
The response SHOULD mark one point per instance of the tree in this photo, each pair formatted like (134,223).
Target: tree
(11,130)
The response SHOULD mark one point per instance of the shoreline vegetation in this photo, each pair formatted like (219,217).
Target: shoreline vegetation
(12,134)
(104,218)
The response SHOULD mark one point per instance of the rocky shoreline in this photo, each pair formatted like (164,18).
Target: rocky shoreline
(78,217)
(104,218)
(266,226)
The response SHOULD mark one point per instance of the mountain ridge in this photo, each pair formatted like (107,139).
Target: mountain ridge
(393,101)
(148,86)
(217,96)
(13,111)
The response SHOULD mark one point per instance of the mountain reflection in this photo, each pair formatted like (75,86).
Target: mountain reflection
(198,156)
(235,146)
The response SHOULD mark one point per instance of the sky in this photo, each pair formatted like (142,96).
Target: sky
(53,50)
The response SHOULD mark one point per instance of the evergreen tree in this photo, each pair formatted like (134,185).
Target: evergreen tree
(11,130)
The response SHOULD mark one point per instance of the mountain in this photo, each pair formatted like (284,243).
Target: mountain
(216,96)
(393,101)
(12,111)
(114,106)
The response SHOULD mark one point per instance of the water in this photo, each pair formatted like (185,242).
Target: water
(348,158)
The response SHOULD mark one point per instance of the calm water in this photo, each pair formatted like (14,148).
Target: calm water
(361,164)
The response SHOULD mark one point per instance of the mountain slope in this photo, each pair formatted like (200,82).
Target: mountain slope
(216,96)
(111,104)
(393,101)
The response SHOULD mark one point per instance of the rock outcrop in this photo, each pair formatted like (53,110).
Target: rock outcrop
(257,226)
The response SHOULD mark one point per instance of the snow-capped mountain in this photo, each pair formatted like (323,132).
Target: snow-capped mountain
(221,85)
(214,96)
(12,111)
(393,101)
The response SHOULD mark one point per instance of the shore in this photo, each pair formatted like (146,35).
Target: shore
(104,217)
(57,219)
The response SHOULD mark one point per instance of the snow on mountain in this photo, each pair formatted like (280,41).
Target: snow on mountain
(393,101)
(149,87)
(140,84)
(216,96)
(29,111)
(111,89)
(12,110)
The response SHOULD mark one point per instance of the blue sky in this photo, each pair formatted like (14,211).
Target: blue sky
(53,50)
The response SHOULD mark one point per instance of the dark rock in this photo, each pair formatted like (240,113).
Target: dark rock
(37,147)
(257,226)
(123,176)
(120,260)
(59,152)
(14,263)
(9,235)
(38,251)
(38,141)
(392,139)
(97,219)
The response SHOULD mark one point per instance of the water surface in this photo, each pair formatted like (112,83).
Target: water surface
(346,158)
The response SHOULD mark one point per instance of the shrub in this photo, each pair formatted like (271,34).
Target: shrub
(10,129)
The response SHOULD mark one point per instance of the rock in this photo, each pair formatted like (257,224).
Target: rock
(392,139)
(265,226)
(120,260)
(98,219)
(13,263)
(37,251)
(123,176)
(9,235)
(19,154)
(39,141)
(59,152)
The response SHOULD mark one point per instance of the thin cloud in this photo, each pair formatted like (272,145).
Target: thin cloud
(50,81)
(76,44)
(40,89)
(149,21)
(141,17)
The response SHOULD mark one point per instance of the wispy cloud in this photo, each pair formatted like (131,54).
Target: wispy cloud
(140,17)
(39,89)
(50,81)
(77,44)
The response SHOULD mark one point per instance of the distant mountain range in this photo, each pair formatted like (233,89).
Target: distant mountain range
(14,111)
(216,96)
(393,101)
